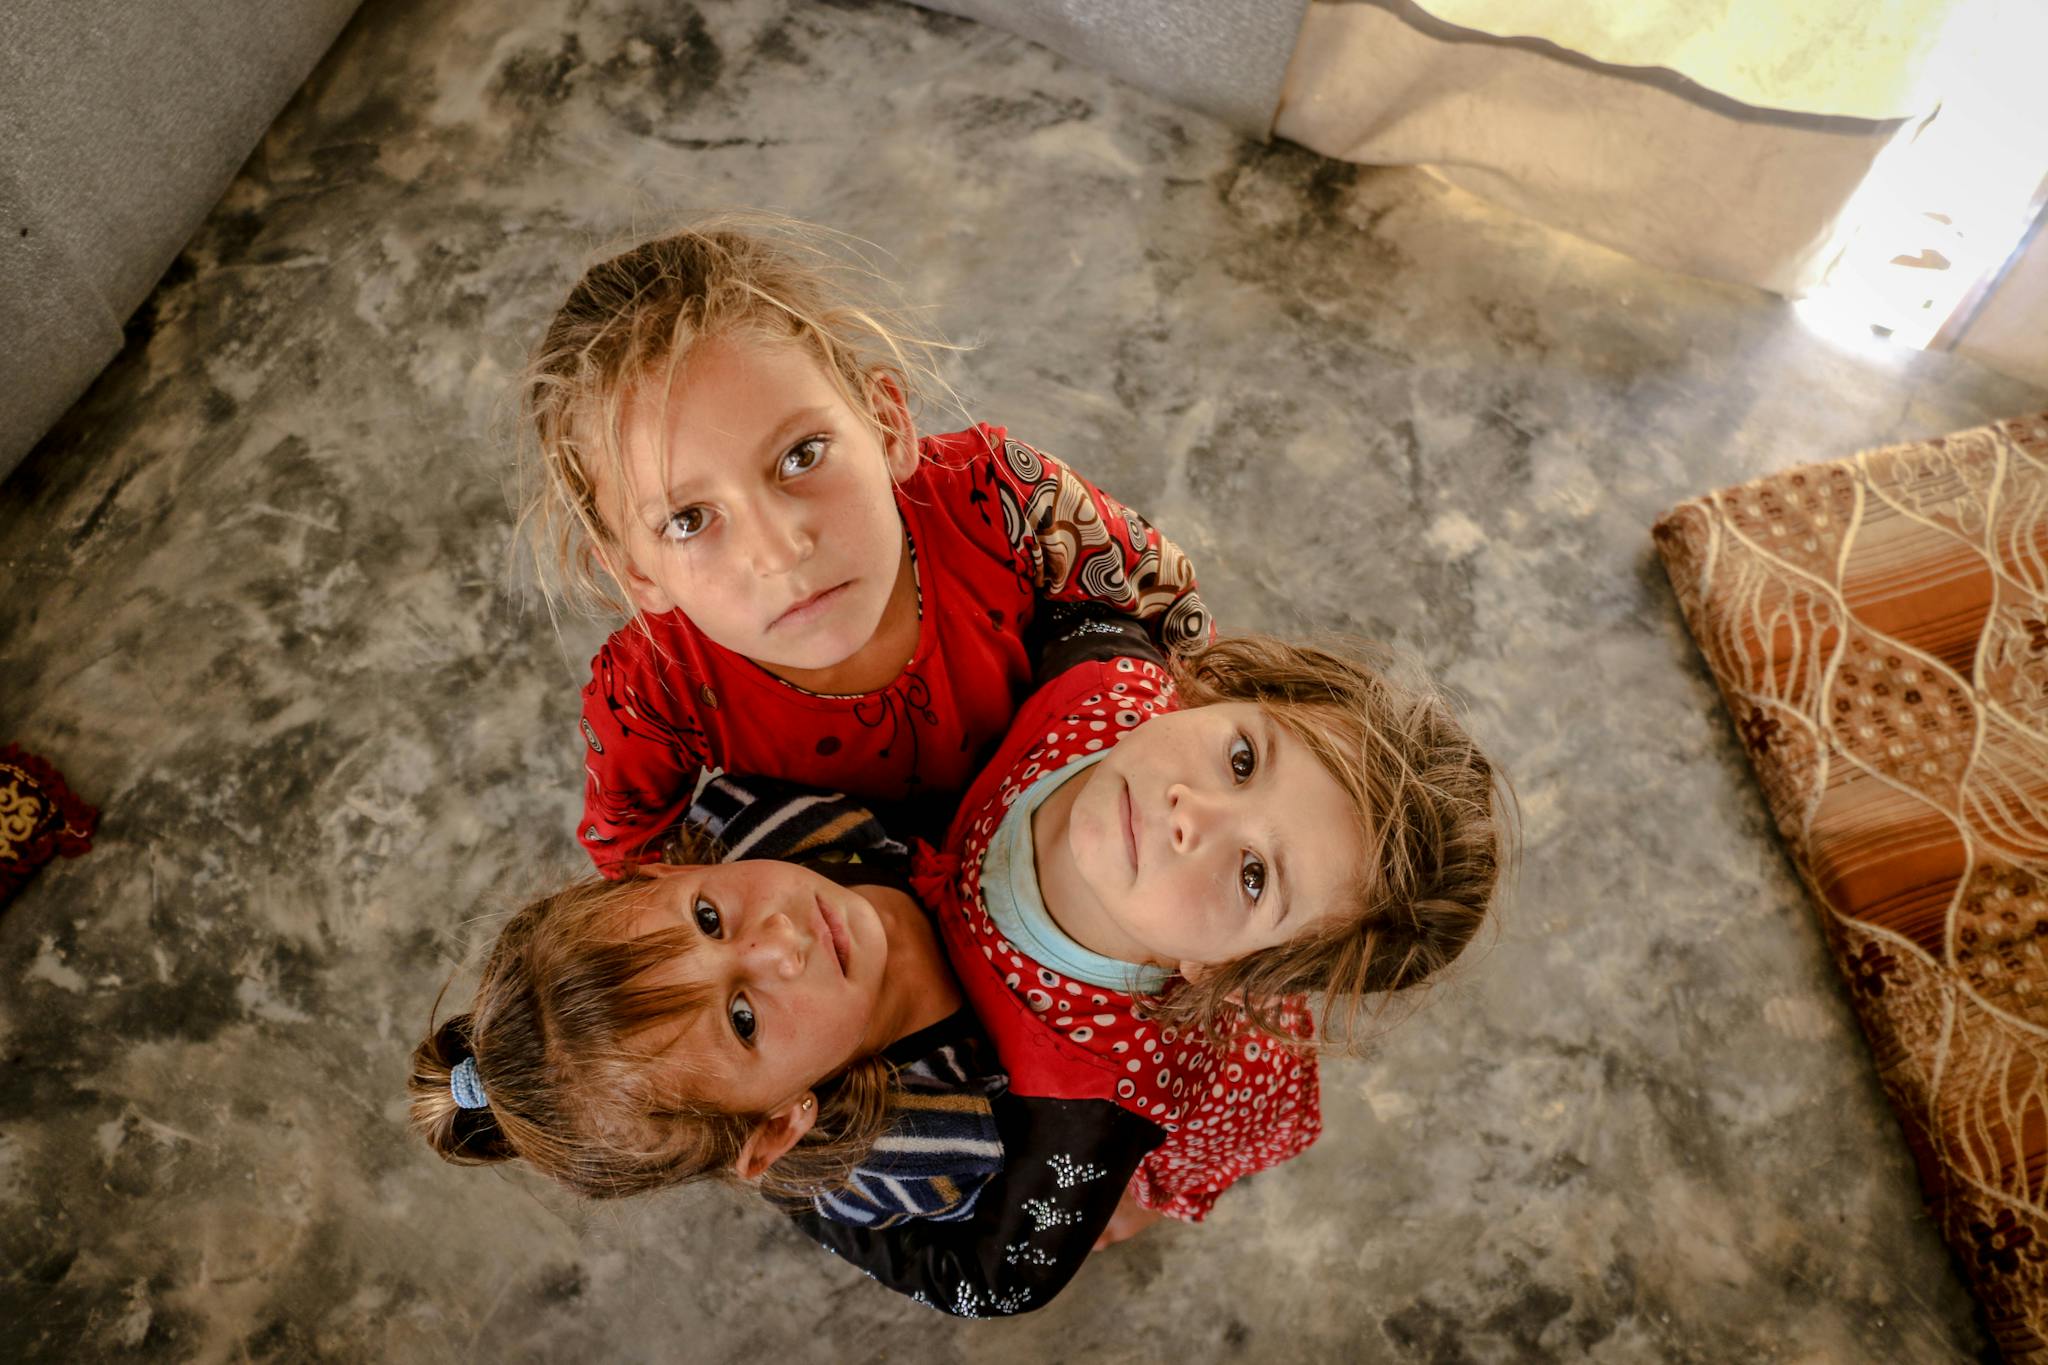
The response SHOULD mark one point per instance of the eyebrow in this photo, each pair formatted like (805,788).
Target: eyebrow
(779,435)
(1280,883)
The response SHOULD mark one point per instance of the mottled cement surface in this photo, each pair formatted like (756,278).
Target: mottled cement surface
(259,607)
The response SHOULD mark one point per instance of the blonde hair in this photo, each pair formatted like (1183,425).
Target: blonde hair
(553,1032)
(1435,814)
(635,316)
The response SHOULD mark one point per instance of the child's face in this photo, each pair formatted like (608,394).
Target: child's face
(760,504)
(1211,833)
(793,966)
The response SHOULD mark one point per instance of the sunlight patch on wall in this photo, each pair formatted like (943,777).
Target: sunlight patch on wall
(1946,205)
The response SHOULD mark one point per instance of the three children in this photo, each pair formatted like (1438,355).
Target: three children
(1162,852)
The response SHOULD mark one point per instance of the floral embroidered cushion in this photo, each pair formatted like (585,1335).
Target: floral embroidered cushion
(1879,629)
(39,819)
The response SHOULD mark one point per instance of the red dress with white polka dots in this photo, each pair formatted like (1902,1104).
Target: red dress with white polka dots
(1227,1113)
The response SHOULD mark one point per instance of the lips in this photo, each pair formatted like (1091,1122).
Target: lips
(1130,822)
(807,608)
(836,935)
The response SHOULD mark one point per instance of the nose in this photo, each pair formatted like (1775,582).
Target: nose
(781,537)
(775,949)
(1190,817)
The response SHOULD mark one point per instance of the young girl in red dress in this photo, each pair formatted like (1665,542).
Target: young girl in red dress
(1161,865)
(726,456)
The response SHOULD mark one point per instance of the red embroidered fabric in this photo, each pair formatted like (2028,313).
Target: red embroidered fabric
(40,818)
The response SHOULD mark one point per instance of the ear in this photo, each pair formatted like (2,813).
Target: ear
(1195,973)
(892,412)
(645,592)
(775,1135)
(610,551)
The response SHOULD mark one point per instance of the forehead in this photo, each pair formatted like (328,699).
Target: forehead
(1196,724)
(722,387)
(1320,818)
(710,408)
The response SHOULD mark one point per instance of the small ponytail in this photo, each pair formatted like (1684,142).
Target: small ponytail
(469,1137)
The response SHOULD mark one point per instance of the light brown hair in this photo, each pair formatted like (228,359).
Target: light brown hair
(554,1029)
(1435,814)
(627,328)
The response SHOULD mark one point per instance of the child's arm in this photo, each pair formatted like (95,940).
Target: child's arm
(1066,635)
(1065,1166)
(643,747)
(1079,544)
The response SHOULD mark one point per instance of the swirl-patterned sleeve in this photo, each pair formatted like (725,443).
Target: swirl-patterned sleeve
(1079,544)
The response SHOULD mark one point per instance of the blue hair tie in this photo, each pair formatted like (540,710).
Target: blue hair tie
(464,1084)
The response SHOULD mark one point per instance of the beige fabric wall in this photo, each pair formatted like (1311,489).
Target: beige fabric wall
(1862,58)
(1642,161)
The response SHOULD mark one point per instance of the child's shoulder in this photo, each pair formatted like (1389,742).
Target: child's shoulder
(985,455)
(965,481)
(942,1144)
(1090,705)
(654,664)
(955,452)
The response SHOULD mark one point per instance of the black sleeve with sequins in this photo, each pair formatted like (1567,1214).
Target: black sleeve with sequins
(1066,634)
(1065,1166)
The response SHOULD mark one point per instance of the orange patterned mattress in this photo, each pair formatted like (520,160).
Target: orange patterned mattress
(1879,629)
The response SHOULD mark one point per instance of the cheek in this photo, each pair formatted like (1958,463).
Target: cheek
(1096,830)
(715,583)
(838,1006)
(1189,897)
(863,491)
(883,529)
(828,1034)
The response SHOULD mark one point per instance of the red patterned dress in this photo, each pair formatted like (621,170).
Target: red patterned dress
(1228,1113)
(995,529)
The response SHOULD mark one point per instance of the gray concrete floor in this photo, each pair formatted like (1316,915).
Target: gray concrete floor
(262,608)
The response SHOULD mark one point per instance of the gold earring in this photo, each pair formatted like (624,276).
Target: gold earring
(807,1102)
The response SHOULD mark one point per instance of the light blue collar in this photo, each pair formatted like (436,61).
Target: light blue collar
(1009,887)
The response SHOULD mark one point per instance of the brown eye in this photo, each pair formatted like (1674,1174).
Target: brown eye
(1251,875)
(803,457)
(1244,759)
(742,1016)
(709,922)
(686,524)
